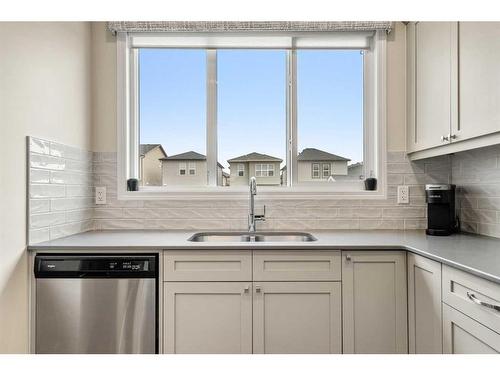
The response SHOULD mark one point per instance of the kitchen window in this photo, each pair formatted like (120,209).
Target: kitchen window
(274,101)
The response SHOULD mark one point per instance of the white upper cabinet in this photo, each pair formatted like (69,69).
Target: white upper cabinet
(432,83)
(479,78)
(453,87)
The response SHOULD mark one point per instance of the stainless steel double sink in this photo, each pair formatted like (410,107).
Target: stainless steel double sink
(252,237)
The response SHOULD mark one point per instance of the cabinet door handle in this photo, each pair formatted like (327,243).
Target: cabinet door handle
(247,289)
(258,289)
(477,301)
(444,138)
(453,136)
(348,258)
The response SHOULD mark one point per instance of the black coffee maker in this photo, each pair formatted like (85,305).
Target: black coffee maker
(441,220)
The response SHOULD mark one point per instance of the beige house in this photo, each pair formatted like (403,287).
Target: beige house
(150,156)
(265,168)
(315,165)
(188,168)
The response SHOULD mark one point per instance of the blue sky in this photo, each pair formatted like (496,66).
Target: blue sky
(251,101)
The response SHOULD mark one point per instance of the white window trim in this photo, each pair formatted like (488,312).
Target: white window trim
(182,167)
(374,112)
(241,169)
(329,169)
(192,167)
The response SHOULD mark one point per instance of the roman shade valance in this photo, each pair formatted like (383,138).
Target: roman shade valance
(243,26)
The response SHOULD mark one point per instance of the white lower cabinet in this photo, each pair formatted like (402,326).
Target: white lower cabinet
(464,335)
(374,302)
(297,317)
(424,306)
(207,317)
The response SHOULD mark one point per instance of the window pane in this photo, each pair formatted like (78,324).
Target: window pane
(330,115)
(172,89)
(251,113)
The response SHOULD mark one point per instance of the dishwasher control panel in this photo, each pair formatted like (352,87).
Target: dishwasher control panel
(77,266)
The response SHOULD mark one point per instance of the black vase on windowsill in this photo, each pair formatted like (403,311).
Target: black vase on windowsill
(371,183)
(133,184)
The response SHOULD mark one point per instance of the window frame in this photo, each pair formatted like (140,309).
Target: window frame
(240,169)
(182,167)
(323,165)
(374,111)
(314,170)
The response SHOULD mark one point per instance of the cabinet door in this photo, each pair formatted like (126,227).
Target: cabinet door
(297,317)
(207,317)
(374,302)
(479,77)
(424,306)
(464,335)
(432,69)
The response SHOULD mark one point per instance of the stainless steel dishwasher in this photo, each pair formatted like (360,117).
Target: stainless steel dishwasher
(88,303)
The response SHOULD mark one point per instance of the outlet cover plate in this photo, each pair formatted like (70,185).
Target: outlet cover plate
(403,194)
(100,195)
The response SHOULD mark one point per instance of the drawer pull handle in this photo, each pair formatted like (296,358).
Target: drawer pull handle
(473,298)
(258,289)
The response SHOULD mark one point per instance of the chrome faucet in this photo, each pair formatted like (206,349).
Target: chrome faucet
(252,218)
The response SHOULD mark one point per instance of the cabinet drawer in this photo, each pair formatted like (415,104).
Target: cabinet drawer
(297,265)
(199,265)
(465,292)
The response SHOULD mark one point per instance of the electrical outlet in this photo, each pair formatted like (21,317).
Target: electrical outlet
(403,194)
(100,195)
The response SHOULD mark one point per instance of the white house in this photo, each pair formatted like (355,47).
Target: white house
(188,168)
(265,168)
(150,156)
(315,165)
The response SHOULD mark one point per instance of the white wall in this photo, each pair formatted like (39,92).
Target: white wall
(45,78)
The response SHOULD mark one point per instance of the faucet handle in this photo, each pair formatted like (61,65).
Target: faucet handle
(261,217)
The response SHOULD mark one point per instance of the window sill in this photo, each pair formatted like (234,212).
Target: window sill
(305,192)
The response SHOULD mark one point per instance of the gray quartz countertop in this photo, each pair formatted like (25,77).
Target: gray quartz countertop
(476,254)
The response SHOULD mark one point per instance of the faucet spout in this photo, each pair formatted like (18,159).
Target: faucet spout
(252,218)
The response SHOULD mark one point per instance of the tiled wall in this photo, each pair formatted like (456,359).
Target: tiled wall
(477,176)
(62,180)
(281,214)
(60,190)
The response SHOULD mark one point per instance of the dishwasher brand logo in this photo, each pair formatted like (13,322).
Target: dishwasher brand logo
(51,266)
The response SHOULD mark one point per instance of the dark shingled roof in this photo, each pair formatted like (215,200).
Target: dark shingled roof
(313,154)
(144,149)
(254,156)
(190,155)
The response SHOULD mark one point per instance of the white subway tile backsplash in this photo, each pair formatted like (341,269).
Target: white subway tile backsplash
(39,205)
(47,191)
(47,219)
(47,162)
(60,190)
(39,146)
(39,176)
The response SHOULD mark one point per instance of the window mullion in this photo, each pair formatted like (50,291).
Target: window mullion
(212,117)
(291,118)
